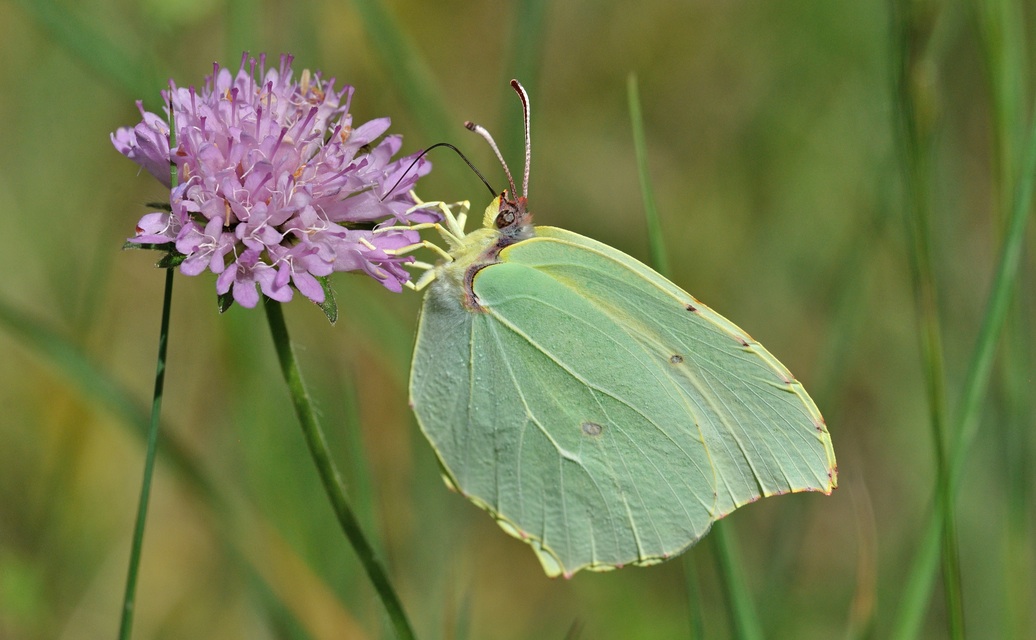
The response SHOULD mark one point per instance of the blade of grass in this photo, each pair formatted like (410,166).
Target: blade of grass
(1005,282)
(526,53)
(412,77)
(1016,437)
(695,616)
(914,101)
(358,473)
(96,51)
(864,603)
(744,619)
(1002,36)
(656,239)
(390,336)
(921,577)
(312,602)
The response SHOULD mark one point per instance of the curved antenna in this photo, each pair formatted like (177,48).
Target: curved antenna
(463,157)
(520,90)
(480,130)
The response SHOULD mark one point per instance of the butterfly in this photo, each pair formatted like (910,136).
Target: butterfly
(596,410)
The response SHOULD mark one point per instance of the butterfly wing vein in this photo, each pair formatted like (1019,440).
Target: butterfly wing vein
(595,415)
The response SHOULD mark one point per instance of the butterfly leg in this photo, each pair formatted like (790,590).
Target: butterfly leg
(453,222)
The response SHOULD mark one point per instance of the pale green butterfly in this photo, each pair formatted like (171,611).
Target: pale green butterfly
(596,410)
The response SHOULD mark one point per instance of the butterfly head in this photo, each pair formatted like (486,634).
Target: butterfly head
(509,217)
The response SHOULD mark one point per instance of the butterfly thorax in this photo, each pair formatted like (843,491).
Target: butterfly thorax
(505,222)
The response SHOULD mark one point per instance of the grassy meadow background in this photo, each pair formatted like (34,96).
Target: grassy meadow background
(819,168)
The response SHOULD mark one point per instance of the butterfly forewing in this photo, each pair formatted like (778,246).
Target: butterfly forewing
(763,432)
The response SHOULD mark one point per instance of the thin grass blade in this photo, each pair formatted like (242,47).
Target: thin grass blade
(130,73)
(913,28)
(526,55)
(407,70)
(921,577)
(236,521)
(744,618)
(656,239)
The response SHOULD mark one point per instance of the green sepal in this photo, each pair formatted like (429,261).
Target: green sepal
(164,206)
(172,257)
(164,246)
(170,260)
(224,301)
(328,306)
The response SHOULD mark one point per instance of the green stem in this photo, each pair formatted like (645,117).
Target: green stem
(743,618)
(329,475)
(129,598)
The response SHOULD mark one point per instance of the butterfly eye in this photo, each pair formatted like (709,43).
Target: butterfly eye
(505,218)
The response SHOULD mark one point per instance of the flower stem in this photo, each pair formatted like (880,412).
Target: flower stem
(329,475)
(129,599)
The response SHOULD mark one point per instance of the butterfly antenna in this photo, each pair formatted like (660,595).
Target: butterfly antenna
(517,86)
(463,157)
(480,130)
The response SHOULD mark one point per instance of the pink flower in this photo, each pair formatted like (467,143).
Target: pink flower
(275,187)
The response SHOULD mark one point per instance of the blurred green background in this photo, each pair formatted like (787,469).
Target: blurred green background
(785,196)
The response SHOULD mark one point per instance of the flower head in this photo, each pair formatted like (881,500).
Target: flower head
(275,187)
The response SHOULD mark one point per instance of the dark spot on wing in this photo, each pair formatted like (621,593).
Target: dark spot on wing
(676,358)
(592,429)
(690,307)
